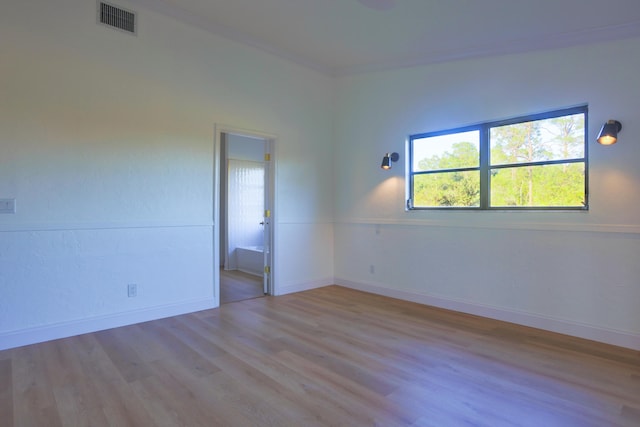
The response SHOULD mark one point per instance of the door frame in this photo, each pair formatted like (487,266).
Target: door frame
(270,168)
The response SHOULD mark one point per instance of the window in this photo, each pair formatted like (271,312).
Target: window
(531,162)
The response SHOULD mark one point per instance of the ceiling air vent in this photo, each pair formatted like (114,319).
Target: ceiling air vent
(117,17)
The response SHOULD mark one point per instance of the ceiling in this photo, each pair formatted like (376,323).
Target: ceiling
(341,37)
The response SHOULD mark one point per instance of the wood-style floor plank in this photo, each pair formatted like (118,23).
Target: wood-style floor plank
(123,355)
(236,286)
(6,391)
(325,357)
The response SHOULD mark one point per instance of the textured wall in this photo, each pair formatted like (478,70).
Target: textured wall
(107,145)
(575,272)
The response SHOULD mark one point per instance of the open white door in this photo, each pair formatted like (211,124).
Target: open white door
(224,241)
(267,247)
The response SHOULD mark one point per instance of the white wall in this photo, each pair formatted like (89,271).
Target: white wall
(106,143)
(571,272)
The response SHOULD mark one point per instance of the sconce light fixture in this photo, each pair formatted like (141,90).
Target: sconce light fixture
(388,159)
(609,133)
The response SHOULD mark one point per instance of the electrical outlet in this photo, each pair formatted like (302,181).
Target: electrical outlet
(132,290)
(372,269)
(7,206)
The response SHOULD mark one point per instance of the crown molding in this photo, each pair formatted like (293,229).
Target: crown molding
(189,18)
(561,40)
(557,41)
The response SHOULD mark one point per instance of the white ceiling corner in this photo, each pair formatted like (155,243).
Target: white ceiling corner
(341,37)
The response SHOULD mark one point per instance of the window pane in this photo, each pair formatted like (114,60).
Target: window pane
(560,185)
(447,189)
(558,138)
(452,151)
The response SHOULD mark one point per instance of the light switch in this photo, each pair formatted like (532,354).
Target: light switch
(7,206)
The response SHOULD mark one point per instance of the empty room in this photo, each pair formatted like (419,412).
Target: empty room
(305,213)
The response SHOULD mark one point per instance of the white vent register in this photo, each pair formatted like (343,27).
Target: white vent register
(117,17)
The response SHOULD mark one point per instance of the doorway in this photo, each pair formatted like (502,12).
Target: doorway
(244,217)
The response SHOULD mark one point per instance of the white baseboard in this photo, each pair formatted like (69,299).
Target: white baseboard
(67,329)
(93,324)
(562,326)
(299,287)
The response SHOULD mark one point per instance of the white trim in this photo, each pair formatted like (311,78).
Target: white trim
(304,222)
(583,37)
(609,336)
(197,21)
(99,323)
(240,131)
(460,222)
(554,41)
(216,239)
(81,226)
(270,139)
(305,286)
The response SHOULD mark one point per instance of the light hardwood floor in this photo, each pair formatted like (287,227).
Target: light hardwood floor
(330,356)
(237,286)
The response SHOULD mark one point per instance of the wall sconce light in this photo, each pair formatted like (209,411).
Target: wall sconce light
(388,159)
(609,133)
